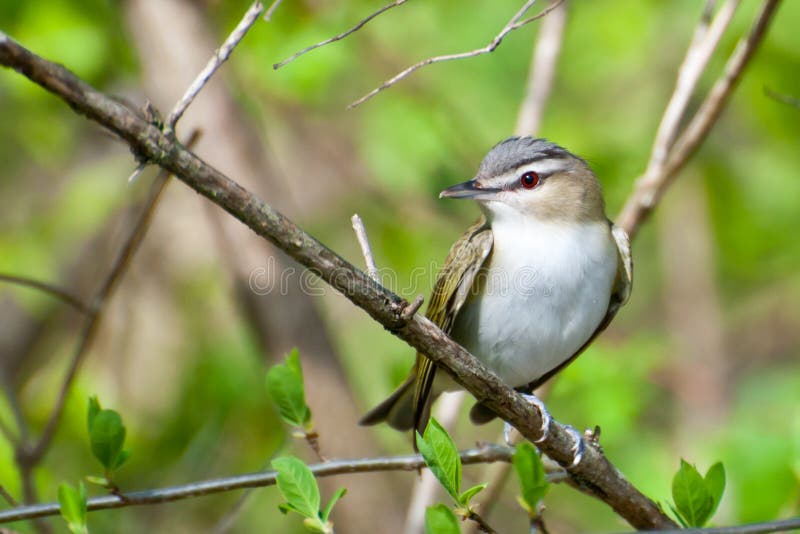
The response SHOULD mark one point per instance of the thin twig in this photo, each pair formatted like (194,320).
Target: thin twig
(31,456)
(538,525)
(8,433)
(484,454)
(542,72)
(784,525)
(513,24)
(312,438)
(54,291)
(366,249)
(783,99)
(341,36)
(412,308)
(705,41)
(220,56)
(483,526)
(650,190)
(137,172)
(271,10)
(8,497)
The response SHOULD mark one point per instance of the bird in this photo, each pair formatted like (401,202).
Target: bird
(529,285)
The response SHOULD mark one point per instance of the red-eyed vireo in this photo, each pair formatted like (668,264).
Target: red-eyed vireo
(528,286)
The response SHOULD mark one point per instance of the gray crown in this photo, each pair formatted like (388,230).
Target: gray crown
(517,151)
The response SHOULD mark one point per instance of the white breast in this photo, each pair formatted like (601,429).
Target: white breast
(547,288)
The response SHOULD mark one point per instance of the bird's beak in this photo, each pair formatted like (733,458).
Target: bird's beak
(470,189)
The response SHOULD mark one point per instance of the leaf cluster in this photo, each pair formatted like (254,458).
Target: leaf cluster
(697,497)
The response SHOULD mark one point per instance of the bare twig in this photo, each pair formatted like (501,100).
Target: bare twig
(412,308)
(271,10)
(484,454)
(220,56)
(783,99)
(31,456)
(650,188)
(366,249)
(705,41)
(8,433)
(537,525)
(136,173)
(312,438)
(594,475)
(55,291)
(542,71)
(513,24)
(483,526)
(784,525)
(341,36)
(8,497)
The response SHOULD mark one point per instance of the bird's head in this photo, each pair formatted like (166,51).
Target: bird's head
(528,177)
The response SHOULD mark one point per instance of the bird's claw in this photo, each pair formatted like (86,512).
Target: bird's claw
(543,413)
(578,447)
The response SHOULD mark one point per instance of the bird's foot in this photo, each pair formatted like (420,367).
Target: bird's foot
(545,415)
(578,447)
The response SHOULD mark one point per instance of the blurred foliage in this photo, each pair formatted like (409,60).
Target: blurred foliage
(201,410)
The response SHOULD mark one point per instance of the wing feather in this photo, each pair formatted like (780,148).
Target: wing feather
(452,287)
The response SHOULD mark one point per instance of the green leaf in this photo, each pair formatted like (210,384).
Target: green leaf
(107,436)
(298,486)
(441,456)
(678,516)
(440,519)
(92,411)
(293,362)
(285,388)
(532,478)
(467,496)
(692,498)
(72,504)
(328,509)
(122,458)
(715,484)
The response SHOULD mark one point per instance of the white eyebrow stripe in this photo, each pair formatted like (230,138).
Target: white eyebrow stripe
(544,166)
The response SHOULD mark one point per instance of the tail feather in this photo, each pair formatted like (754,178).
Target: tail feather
(397,410)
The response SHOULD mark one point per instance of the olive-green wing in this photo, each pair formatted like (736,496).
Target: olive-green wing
(452,287)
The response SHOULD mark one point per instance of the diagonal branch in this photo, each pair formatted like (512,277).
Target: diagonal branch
(55,291)
(220,56)
(514,24)
(341,36)
(32,455)
(594,475)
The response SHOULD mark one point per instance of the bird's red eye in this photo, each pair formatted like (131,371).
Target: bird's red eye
(529,180)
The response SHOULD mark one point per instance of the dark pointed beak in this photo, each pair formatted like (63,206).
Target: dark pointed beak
(469,189)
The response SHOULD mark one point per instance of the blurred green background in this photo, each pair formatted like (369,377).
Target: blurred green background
(701,364)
